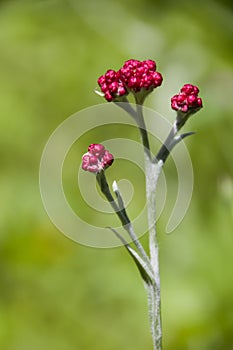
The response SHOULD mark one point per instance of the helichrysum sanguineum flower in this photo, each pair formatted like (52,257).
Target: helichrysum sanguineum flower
(97,158)
(111,86)
(134,76)
(187,99)
(137,75)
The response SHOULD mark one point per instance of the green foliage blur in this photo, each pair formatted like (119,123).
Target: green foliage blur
(54,293)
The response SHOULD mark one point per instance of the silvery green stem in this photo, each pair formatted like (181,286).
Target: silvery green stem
(173,138)
(142,128)
(152,172)
(153,169)
(155,320)
(137,116)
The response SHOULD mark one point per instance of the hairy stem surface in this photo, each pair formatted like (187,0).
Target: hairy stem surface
(154,300)
(152,172)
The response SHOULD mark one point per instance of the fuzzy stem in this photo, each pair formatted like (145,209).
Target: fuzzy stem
(173,139)
(152,172)
(154,304)
(153,169)
(138,117)
(143,131)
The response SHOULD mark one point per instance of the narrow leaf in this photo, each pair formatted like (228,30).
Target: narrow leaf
(141,265)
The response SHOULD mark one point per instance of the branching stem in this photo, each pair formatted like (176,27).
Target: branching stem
(153,169)
(122,215)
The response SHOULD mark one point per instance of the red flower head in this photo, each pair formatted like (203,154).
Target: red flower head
(96,159)
(187,100)
(111,86)
(135,76)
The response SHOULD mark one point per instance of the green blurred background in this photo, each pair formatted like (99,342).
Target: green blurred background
(54,293)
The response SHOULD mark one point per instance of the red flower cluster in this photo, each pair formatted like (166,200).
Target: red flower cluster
(137,75)
(97,158)
(187,99)
(133,76)
(111,86)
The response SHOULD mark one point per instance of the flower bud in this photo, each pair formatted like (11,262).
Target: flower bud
(111,86)
(96,159)
(138,77)
(187,100)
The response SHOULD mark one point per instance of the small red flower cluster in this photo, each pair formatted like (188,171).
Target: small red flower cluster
(97,158)
(187,99)
(137,75)
(133,76)
(111,86)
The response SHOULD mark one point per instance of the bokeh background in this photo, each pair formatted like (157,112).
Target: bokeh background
(55,293)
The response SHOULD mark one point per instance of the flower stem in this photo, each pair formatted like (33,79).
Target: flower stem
(154,300)
(173,138)
(122,215)
(153,169)
(152,172)
(138,117)
(143,131)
